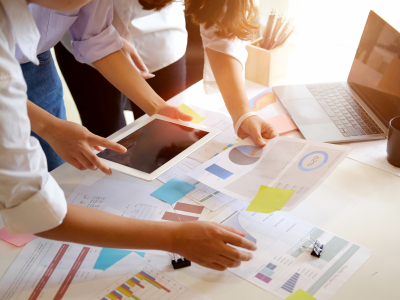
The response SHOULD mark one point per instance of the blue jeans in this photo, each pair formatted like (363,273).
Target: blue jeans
(45,90)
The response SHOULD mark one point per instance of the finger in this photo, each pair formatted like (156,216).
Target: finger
(227,262)
(147,75)
(269,132)
(77,164)
(234,230)
(237,255)
(96,161)
(239,241)
(98,148)
(258,140)
(85,162)
(138,61)
(214,266)
(99,141)
(182,116)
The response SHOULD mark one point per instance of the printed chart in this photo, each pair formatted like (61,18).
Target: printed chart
(143,282)
(202,194)
(262,100)
(281,267)
(286,163)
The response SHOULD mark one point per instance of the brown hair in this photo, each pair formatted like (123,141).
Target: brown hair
(233,18)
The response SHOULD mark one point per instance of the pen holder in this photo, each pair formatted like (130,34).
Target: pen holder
(266,67)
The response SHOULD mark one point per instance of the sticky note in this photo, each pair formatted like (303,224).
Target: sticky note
(187,110)
(269,199)
(17,240)
(300,295)
(282,123)
(173,190)
(109,257)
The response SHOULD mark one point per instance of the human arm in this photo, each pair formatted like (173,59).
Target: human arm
(228,75)
(202,242)
(71,141)
(133,56)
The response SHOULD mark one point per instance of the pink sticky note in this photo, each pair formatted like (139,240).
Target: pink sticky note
(16,240)
(282,123)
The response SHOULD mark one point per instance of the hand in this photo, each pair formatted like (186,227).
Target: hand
(258,129)
(73,143)
(136,60)
(206,244)
(173,112)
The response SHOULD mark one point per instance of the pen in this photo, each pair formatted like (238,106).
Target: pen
(268,28)
(279,22)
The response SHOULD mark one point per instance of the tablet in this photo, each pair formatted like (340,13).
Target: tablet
(155,145)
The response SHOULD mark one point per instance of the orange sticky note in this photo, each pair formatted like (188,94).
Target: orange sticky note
(282,123)
(16,240)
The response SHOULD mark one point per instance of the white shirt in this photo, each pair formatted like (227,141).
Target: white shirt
(30,201)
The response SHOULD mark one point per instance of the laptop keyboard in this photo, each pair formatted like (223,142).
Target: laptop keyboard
(349,117)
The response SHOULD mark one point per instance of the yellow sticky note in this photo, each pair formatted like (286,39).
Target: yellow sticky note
(187,110)
(269,199)
(300,295)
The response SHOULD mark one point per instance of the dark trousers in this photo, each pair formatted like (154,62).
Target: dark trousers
(99,103)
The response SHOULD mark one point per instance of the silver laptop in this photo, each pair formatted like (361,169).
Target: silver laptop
(361,108)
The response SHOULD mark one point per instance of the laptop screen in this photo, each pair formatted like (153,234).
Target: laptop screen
(375,73)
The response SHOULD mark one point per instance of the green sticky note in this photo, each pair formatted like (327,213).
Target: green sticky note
(300,295)
(187,110)
(269,199)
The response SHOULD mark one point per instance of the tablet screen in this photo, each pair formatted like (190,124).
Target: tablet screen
(153,145)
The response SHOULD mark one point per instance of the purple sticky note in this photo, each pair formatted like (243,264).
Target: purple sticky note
(16,240)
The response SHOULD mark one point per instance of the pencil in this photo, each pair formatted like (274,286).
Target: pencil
(279,22)
(268,29)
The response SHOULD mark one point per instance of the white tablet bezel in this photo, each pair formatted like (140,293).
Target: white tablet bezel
(149,177)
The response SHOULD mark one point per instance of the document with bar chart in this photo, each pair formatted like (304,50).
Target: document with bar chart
(202,194)
(280,264)
(51,270)
(286,163)
(133,201)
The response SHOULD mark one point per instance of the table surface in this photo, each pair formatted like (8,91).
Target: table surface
(358,202)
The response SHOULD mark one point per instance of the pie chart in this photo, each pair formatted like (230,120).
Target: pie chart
(245,154)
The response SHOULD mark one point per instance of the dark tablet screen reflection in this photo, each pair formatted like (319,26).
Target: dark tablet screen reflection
(153,145)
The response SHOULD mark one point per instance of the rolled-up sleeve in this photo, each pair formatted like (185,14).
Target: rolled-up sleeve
(232,47)
(93,35)
(30,199)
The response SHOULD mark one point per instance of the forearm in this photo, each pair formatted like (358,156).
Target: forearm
(93,227)
(228,74)
(118,70)
(41,120)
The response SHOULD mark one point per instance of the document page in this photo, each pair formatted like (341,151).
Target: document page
(202,194)
(51,270)
(286,163)
(133,201)
(281,266)
(373,153)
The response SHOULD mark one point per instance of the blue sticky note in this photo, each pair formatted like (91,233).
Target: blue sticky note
(142,254)
(219,171)
(173,190)
(108,257)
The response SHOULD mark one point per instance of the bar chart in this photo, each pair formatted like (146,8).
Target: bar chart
(143,283)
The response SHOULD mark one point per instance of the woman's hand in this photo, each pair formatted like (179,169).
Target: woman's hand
(258,129)
(136,60)
(208,244)
(173,112)
(73,143)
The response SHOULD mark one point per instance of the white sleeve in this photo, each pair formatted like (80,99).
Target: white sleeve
(30,199)
(234,47)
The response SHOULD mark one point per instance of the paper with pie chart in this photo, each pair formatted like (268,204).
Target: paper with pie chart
(285,163)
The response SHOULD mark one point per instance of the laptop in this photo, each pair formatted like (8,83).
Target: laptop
(361,108)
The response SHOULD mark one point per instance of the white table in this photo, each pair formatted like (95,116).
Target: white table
(358,202)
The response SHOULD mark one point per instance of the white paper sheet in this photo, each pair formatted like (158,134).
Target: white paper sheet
(202,194)
(129,200)
(281,267)
(51,270)
(287,163)
(373,153)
